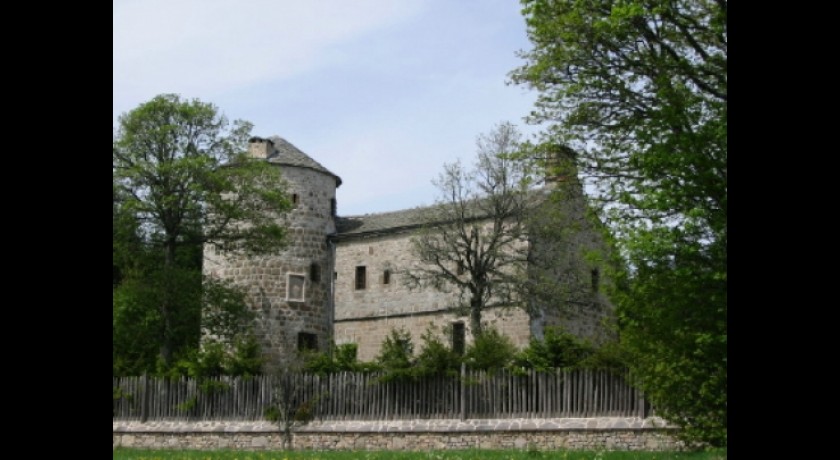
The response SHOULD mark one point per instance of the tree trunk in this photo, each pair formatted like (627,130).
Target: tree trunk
(165,306)
(475,316)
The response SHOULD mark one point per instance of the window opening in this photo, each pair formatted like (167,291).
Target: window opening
(458,336)
(307,341)
(360,277)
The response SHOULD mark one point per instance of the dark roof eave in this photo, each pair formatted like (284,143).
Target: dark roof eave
(374,233)
(351,235)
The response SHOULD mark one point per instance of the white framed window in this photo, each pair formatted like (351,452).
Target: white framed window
(295,287)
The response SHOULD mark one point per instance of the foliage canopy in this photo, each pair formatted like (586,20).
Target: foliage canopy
(182,179)
(639,89)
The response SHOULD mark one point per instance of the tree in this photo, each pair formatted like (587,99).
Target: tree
(182,173)
(639,89)
(290,407)
(472,242)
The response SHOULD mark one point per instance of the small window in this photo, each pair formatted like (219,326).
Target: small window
(596,279)
(333,207)
(307,341)
(386,276)
(458,334)
(360,277)
(315,273)
(295,199)
(295,285)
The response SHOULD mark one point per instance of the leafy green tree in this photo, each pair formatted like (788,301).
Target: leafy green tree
(182,176)
(138,326)
(639,89)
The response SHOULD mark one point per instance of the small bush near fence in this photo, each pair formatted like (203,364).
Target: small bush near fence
(366,396)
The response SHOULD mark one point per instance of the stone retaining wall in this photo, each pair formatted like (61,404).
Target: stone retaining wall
(607,433)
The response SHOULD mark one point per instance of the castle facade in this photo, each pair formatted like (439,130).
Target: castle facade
(338,280)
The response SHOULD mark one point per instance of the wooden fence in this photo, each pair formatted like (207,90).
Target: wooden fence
(364,396)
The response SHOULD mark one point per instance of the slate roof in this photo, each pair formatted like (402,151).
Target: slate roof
(386,222)
(397,221)
(288,155)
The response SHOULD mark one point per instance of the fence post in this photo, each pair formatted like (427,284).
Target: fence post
(144,402)
(463,391)
(640,400)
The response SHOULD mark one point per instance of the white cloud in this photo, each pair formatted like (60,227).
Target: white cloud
(381,92)
(200,48)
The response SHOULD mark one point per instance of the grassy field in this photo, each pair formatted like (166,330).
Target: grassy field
(138,454)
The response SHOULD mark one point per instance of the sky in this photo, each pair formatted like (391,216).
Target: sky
(382,93)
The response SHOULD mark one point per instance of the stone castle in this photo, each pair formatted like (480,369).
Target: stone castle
(338,280)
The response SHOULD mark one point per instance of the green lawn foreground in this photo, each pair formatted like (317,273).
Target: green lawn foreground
(143,454)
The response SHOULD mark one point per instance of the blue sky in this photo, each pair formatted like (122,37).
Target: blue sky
(381,92)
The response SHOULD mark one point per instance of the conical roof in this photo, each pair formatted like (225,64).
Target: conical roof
(287,154)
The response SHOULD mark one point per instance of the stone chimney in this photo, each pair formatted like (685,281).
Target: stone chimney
(560,165)
(260,148)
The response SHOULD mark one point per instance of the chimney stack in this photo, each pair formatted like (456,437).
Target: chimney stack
(260,148)
(560,165)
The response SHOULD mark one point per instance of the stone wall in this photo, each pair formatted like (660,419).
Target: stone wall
(569,266)
(290,299)
(366,316)
(629,434)
(281,315)
(370,333)
(567,276)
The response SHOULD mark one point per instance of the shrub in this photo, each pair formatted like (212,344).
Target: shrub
(395,355)
(557,349)
(435,358)
(490,350)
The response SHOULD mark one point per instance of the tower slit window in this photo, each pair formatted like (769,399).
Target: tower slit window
(360,277)
(458,338)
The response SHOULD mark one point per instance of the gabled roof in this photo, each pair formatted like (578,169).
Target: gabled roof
(385,222)
(407,219)
(287,154)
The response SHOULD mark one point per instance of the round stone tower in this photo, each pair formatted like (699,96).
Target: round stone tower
(291,292)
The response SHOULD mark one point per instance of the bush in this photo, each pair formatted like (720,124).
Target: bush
(241,358)
(435,358)
(557,349)
(337,359)
(395,355)
(491,350)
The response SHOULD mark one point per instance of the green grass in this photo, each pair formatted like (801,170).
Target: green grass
(142,454)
